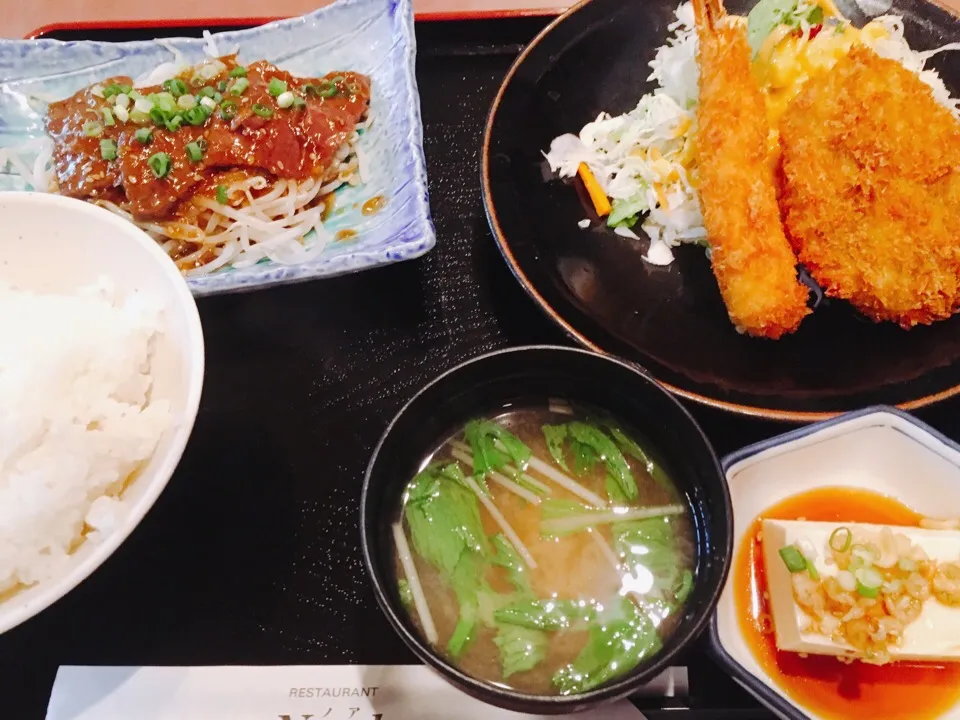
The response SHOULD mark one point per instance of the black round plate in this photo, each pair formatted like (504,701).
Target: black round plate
(672,320)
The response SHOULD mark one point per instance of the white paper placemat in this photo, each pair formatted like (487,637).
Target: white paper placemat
(300,692)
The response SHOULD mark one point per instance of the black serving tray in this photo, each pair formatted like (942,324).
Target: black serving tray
(252,554)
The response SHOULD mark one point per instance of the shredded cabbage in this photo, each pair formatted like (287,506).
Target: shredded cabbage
(643,159)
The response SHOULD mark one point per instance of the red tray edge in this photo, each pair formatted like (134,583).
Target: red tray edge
(452,15)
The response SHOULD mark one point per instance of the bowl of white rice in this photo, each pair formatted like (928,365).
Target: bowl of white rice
(101,369)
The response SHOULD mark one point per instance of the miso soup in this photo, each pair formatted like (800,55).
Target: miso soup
(544,549)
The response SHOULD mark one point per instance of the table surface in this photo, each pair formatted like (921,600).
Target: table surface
(24,19)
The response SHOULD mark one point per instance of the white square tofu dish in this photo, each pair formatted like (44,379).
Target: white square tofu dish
(880,449)
(932,637)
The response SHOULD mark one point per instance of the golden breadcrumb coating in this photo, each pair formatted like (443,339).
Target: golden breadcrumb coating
(871,190)
(752,260)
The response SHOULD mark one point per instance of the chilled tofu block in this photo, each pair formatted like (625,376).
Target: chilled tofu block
(935,635)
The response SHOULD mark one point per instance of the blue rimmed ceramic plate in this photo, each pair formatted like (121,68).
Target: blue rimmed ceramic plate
(880,449)
(374,37)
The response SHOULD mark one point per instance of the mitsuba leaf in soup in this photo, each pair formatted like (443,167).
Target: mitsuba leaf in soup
(447,532)
(494,591)
(555,435)
(507,557)
(552,614)
(444,519)
(618,641)
(521,649)
(494,447)
(617,466)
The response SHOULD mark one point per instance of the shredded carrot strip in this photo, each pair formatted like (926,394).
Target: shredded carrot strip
(597,196)
(661,196)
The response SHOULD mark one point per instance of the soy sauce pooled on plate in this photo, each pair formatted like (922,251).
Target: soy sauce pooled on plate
(545,550)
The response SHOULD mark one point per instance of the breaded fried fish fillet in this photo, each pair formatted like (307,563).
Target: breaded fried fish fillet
(871,189)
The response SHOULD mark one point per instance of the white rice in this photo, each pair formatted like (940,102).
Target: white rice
(75,421)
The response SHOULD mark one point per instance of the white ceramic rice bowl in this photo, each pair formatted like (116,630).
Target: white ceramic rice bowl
(53,244)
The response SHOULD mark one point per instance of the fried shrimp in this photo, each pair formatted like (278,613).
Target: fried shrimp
(871,190)
(752,260)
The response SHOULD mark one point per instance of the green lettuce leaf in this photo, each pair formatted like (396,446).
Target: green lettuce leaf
(765,17)
(626,212)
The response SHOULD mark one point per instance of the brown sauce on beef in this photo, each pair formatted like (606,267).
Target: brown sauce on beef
(293,143)
(81,172)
